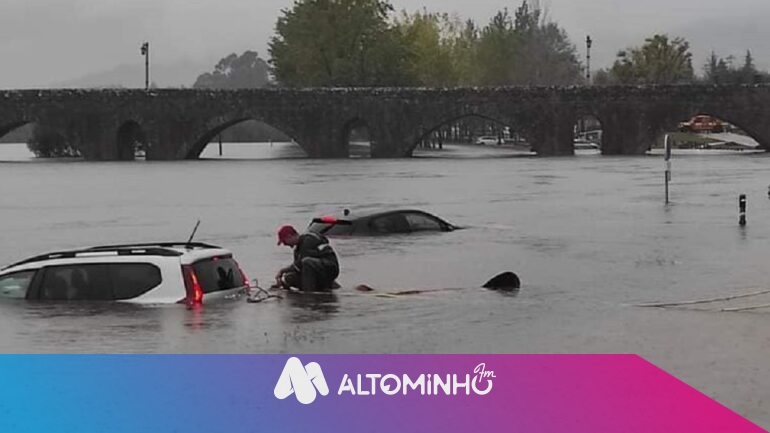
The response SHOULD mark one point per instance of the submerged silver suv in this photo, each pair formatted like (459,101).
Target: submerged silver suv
(190,273)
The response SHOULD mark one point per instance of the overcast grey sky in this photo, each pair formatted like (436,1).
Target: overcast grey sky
(49,41)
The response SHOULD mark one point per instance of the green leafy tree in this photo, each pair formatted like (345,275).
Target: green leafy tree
(464,53)
(603,77)
(246,71)
(337,43)
(430,42)
(496,55)
(236,72)
(545,55)
(526,49)
(659,61)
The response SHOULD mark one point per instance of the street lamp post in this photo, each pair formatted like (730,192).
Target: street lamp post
(589,42)
(146,54)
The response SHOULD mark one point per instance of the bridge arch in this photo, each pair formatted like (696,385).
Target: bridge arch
(588,131)
(23,135)
(744,123)
(358,128)
(219,124)
(130,138)
(8,127)
(469,131)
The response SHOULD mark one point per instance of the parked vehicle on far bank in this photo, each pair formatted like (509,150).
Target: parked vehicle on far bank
(165,273)
(380,223)
(487,140)
(703,124)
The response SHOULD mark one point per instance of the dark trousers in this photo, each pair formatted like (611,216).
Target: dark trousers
(316,275)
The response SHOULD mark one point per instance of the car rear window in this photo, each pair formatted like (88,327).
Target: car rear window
(329,229)
(337,228)
(15,285)
(218,274)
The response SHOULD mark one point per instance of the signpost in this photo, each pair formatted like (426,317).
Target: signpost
(668,165)
(742,210)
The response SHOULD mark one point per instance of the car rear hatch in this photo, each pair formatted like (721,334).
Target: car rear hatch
(213,278)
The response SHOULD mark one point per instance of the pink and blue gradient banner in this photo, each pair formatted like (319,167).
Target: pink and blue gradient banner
(236,393)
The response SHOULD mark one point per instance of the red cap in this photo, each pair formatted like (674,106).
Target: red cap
(284,233)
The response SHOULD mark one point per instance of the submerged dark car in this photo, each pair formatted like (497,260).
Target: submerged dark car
(380,223)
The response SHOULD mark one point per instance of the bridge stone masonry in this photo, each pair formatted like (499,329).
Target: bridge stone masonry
(179,123)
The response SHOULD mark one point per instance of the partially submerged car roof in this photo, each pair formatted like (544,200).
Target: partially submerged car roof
(367,213)
(168,249)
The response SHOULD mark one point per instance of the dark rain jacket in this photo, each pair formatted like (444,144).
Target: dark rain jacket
(316,246)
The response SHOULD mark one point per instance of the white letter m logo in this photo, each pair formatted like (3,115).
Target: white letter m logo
(301,381)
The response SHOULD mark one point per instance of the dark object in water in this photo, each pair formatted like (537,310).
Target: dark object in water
(507,282)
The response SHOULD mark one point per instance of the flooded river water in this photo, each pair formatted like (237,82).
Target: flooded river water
(589,236)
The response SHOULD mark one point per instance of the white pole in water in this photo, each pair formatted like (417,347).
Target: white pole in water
(668,166)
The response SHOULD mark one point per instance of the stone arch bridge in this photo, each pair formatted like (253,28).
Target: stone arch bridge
(179,123)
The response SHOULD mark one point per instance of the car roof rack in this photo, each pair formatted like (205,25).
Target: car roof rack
(144,249)
(188,245)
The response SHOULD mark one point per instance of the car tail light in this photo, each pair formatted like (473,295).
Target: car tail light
(192,286)
(243,275)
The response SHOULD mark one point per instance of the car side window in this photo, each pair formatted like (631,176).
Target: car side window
(393,223)
(419,222)
(131,280)
(76,282)
(14,286)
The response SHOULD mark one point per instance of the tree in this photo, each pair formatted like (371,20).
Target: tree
(45,142)
(603,77)
(430,43)
(245,72)
(749,74)
(234,72)
(719,70)
(337,43)
(464,53)
(496,51)
(545,54)
(659,61)
(526,49)
(749,71)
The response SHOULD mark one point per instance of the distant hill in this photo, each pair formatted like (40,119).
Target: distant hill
(178,74)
